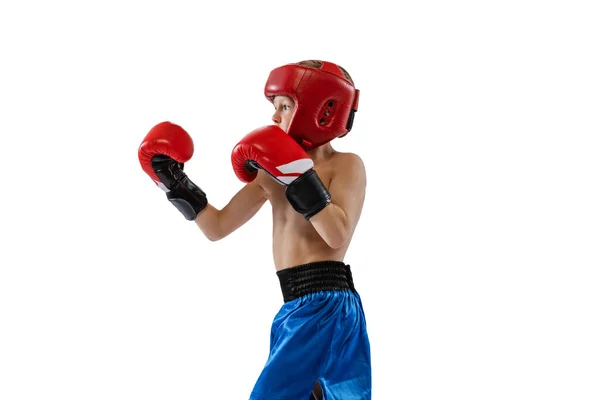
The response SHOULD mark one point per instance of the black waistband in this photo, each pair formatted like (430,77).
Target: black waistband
(314,277)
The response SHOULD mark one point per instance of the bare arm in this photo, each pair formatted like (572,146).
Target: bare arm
(217,224)
(336,222)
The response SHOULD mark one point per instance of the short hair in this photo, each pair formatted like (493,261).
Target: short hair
(318,64)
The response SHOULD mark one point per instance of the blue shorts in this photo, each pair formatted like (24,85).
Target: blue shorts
(319,334)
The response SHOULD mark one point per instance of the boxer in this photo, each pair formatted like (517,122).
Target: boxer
(319,343)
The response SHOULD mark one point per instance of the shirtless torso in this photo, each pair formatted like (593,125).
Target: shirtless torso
(295,240)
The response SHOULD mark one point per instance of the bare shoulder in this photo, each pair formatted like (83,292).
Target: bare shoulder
(348,184)
(349,164)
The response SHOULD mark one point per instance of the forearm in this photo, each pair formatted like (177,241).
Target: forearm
(333,225)
(217,224)
(209,223)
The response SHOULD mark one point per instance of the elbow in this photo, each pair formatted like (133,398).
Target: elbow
(213,238)
(209,224)
(211,233)
(214,235)
(337,240)
(336,243)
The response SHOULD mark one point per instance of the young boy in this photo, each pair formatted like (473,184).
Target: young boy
(319,340)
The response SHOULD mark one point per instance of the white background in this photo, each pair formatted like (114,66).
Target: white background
(477,254)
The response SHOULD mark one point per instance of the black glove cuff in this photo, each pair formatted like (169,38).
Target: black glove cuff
(184,194)
(188,198)
(307,194)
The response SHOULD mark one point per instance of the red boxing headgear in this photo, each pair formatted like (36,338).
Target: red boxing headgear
(325,98)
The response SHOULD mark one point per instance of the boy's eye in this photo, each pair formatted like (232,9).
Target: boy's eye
(284,107)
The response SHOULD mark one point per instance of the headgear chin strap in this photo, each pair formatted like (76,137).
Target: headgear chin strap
(325,100)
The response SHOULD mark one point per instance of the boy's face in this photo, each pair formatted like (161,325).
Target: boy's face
(284,110)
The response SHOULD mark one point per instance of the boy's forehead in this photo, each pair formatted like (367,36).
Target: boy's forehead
(282,99)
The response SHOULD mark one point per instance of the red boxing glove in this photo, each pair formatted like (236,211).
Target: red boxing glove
(162,155)
(166,139)
(271,149)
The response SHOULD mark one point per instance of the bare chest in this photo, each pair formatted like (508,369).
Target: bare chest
(295,240)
